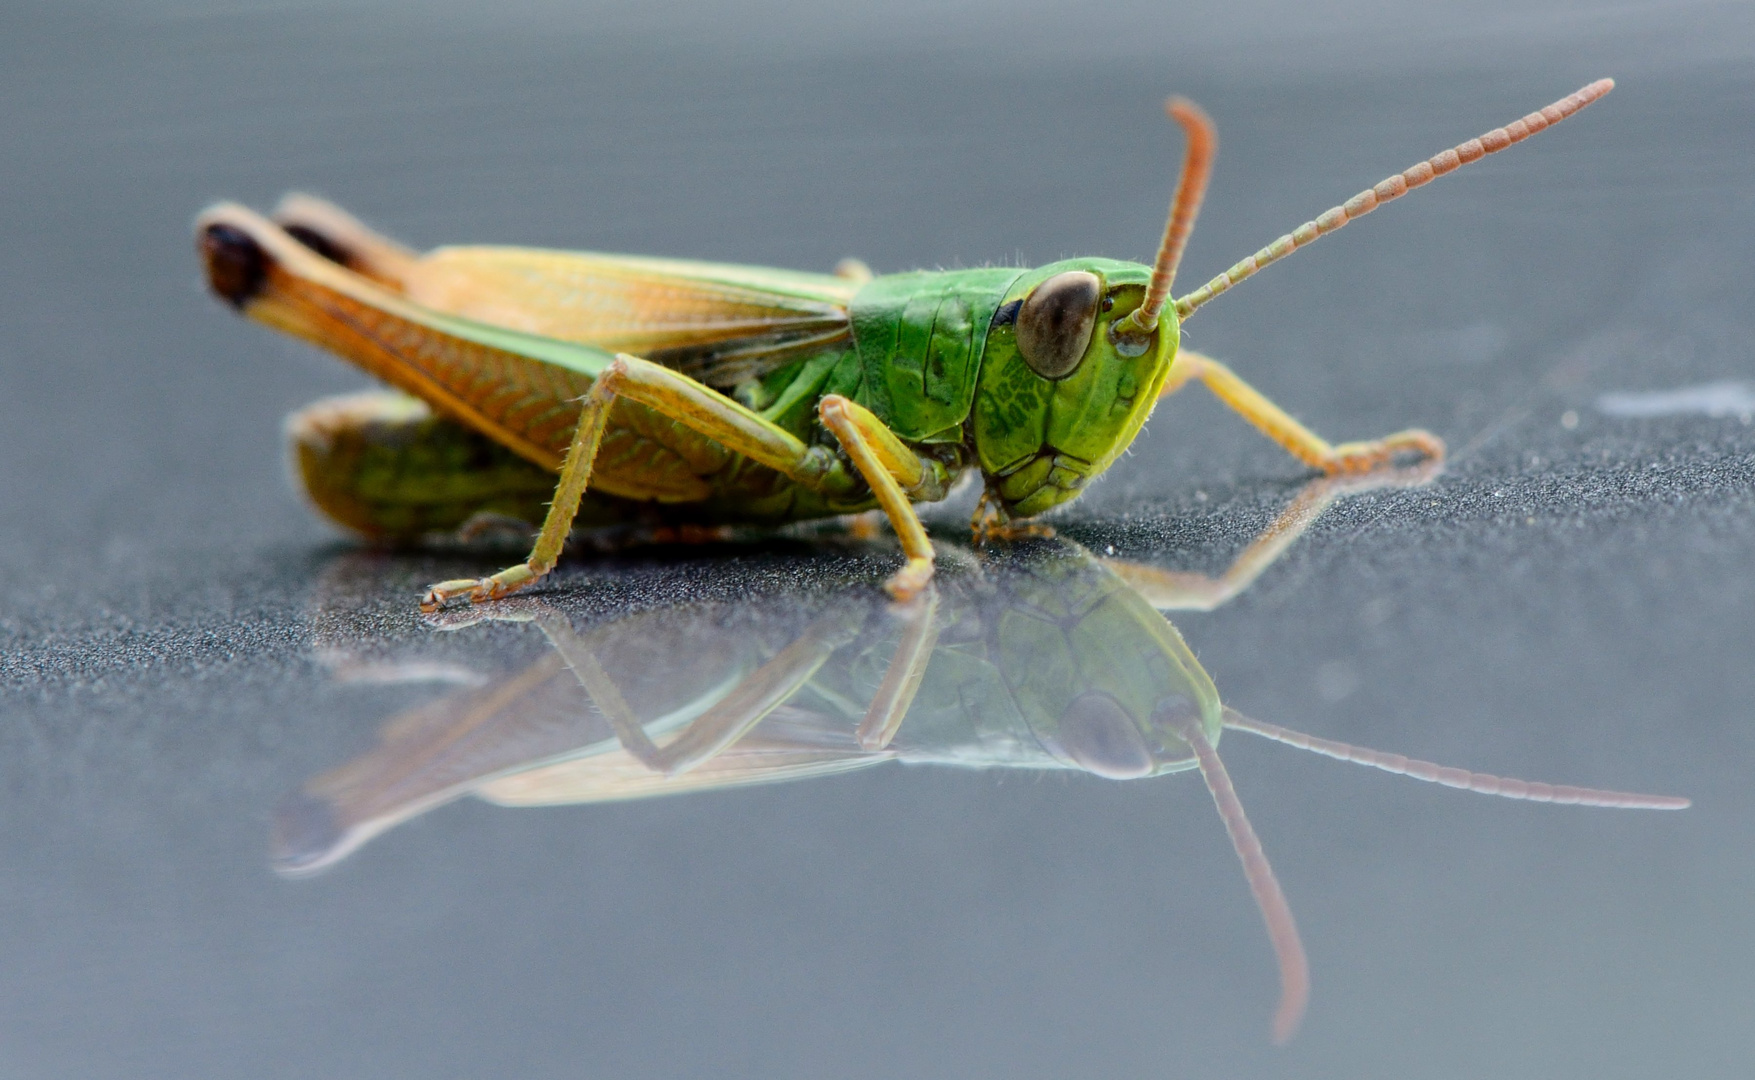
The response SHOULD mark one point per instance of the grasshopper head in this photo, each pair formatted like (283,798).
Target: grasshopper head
(1064,391)
(1105,683)
(1064,387)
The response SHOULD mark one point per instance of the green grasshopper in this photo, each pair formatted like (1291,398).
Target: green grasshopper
(705,394)
(1046,658)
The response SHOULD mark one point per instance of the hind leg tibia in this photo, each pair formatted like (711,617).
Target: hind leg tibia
(677,397)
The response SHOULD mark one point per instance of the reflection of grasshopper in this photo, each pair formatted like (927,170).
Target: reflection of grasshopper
(1049,659)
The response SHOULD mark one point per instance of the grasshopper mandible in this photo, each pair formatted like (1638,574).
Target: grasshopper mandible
(698,393)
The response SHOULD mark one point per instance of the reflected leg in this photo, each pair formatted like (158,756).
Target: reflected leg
(902,677)
(754,697)
(1173,590)
(758,694)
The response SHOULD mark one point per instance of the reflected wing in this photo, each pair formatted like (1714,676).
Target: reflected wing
(790,744)
(430,755)
(715,322)
(530,739)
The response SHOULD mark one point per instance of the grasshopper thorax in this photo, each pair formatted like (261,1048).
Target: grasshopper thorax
(1061,392)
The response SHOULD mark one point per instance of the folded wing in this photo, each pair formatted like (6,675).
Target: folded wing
(717,322)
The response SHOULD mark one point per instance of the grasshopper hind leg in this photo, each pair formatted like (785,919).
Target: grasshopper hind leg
(343,239)
(382,465)
(892,471)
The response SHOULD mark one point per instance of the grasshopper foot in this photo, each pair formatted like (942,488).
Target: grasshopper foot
(1362,457)
(905,584)
(992,525)
(1001,532)
(504,583)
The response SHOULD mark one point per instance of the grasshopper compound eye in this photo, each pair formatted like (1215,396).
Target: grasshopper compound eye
(1056,321)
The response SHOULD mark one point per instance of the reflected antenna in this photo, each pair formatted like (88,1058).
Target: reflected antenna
(1269,897)
(1481,783)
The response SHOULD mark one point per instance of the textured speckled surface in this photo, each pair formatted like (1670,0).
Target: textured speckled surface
(1574,600)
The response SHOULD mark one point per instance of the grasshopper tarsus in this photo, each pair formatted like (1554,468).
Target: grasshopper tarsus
(478,590)
(911,580)
(1416,446)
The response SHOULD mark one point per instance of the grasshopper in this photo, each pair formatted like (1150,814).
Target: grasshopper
(1045,659)
(704,394)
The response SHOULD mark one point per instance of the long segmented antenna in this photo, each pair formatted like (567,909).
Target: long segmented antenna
(1371,198)
(1481,783)
(1282,930)
(1191,189)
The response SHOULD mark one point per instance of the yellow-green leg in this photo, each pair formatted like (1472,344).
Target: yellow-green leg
(575,474)
(1295,438)
(878,455)
(894,471)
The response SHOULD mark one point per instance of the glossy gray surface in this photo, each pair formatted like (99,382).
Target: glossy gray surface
(1572,603)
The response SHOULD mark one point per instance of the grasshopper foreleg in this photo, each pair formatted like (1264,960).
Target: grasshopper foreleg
(1297,440)
(990,524)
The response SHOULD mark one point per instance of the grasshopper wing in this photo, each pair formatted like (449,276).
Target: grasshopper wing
(530,739)
(718,323)
(789,744)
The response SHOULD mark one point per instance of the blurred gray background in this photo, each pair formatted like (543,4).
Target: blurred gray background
(1572,603)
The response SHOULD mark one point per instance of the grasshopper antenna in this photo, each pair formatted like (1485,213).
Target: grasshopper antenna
(1394,187)
(1480,783)
(1275,912)
(1135,329)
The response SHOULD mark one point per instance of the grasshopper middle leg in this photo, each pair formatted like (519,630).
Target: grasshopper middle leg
(894,472)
